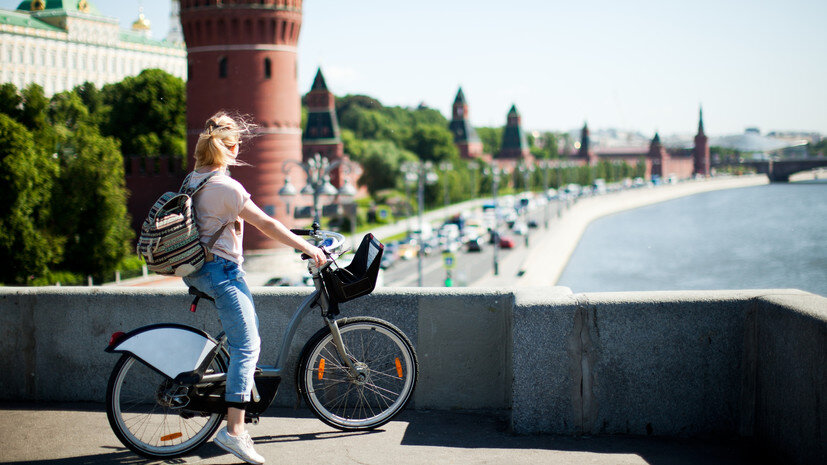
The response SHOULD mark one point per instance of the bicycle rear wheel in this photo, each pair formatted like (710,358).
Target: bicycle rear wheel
(148,413)
(387,370)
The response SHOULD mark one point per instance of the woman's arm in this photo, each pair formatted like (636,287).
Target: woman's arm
(274,229)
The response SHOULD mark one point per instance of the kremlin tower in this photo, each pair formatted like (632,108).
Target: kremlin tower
(465,136)
(515,143)
(241,57)
(321,134)
(701,152)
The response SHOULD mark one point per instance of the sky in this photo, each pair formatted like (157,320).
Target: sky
(638,65)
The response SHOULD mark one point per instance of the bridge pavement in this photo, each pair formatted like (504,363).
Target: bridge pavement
(63,434)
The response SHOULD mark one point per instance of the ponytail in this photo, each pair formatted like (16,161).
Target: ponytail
(221,134)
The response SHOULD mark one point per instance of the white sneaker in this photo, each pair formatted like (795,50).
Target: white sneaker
(240,446)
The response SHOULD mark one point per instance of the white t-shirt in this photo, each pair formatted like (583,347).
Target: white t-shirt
(219,202)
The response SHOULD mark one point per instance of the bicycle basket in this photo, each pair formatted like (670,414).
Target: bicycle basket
(358,278)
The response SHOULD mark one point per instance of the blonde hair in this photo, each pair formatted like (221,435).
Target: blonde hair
(221,134)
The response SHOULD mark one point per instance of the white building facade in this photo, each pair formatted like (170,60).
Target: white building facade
(60,44)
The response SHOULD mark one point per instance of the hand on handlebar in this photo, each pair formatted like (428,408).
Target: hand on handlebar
(316,254)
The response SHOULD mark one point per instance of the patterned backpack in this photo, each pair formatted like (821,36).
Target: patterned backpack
(169,240)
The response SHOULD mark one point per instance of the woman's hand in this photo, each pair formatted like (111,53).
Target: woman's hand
(316,254)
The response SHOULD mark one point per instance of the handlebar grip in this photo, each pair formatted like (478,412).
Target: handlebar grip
(305,256)
(302,232)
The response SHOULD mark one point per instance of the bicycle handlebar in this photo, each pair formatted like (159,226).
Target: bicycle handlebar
(329,241)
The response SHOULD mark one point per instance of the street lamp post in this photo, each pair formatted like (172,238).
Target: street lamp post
(473,166)
(526,171)
(421,173)
(544,164)
(495,173)
(445,167)
(318,183)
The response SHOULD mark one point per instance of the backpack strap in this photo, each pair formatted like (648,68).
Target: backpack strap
(185,186)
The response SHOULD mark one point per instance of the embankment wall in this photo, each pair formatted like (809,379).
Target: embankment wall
(721,363)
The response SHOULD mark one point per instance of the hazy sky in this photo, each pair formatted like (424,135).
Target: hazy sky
(643,65)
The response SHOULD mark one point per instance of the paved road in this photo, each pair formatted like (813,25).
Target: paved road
(63,434)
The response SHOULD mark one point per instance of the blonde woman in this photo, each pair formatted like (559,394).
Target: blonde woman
(223,203)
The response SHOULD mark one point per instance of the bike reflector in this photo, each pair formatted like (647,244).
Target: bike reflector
(321,368)
(170,437)
(398,367)
(115,336)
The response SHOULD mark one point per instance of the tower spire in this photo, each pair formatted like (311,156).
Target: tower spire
(701,120)
(318,82)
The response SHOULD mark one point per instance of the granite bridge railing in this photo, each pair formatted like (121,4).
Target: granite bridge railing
(749,364)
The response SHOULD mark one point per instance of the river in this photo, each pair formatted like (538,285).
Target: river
(765,237)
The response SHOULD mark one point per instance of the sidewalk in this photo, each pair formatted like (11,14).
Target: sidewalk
(79,434)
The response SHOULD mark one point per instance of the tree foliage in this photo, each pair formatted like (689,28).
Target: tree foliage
(146,113)
(27,247)
(492,139)
(63,210)
(90,202)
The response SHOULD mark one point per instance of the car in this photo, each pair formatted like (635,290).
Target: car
(474,245)
(388,259)
(532,224)
(506,242)
(520,228)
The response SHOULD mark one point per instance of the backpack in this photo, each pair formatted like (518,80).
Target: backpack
(169,241)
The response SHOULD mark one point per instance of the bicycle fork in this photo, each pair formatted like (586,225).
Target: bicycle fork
(354,371)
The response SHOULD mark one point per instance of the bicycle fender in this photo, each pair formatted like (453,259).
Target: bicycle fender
(168,348)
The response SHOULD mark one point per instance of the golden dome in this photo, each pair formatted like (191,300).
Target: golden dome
(141,24)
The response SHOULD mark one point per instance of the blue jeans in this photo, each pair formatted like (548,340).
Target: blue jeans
(223,280)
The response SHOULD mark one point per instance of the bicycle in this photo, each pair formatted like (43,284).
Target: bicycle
(165,396)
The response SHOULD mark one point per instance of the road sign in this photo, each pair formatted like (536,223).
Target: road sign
(449,260)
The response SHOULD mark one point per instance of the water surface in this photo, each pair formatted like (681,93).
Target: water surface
(772,236)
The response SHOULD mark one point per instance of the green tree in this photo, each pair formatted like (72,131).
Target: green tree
(11,101)
(492,139)
(380,165)
(90,202)
(432,143)
(92,98)
(27,247)
(147,114)
(35,104)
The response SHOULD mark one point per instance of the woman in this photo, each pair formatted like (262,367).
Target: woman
(224,203)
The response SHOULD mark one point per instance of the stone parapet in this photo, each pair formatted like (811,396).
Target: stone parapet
(696,363)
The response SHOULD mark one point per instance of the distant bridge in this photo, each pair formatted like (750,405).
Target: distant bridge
(781,170)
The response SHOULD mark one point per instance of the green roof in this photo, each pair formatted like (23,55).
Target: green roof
(67,5)
(137,37)
(25,20)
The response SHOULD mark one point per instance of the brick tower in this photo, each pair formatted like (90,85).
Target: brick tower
(242,57)
(701,153)
(657,158)
(585,151)
(321,135)
(515,144)
(465,136)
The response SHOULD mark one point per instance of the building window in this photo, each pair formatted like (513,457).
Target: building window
(267,68)
(222,67)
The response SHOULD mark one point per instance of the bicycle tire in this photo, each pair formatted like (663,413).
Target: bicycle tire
(140,420)
(388,374)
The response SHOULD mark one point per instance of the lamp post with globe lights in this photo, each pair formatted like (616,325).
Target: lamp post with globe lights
(317,169)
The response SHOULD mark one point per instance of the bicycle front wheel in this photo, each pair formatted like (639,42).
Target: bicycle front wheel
(385,377)
(148,412)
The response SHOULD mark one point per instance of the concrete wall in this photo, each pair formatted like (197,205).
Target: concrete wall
(723,363)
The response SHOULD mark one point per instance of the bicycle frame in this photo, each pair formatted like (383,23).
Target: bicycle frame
(317,297)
